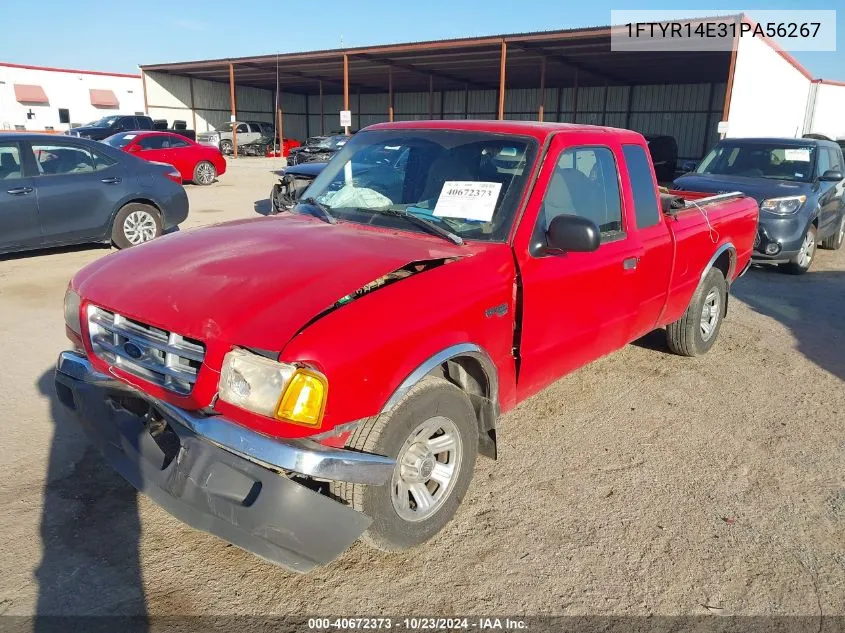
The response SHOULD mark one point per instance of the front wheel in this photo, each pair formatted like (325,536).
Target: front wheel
(801,263)
(226,147)
(696,332)
(135,224)
(204,173)
(433,436)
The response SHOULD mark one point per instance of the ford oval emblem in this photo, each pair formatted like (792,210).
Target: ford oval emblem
(132,350)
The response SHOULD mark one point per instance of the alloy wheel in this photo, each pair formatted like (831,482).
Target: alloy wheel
(426,469)
(710,313)
(139,227)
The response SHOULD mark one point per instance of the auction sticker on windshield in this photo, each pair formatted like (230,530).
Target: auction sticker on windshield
(801,154)
(468,199)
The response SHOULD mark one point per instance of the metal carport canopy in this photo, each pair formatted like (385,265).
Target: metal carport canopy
(576,56)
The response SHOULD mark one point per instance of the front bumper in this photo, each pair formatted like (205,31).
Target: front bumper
(786,232)
(220,477)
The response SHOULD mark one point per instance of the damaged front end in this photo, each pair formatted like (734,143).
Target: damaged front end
(259,493)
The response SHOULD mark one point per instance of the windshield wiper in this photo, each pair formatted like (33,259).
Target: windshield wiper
(427,224)
(324,209)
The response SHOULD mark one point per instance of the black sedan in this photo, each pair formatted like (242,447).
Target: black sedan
(318,149)
(58,190)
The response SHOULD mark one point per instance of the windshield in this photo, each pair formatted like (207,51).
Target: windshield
(469,183)
(225,127)
(106,121)
(333,142)
(120,140)
(760,160)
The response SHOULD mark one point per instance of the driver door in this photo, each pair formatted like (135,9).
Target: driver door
(576,306)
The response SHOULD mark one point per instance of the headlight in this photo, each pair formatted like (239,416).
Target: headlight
(72,302)
(276,390)
(783,206)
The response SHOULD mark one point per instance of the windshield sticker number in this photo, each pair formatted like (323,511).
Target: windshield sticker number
(802,155)
(468,200)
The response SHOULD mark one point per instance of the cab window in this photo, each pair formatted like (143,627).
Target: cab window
(586,183)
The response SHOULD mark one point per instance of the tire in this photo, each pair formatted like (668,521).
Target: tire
(226,147)
(433,402)
(135,224)
(204,173)
(802,262)
(834,242)
(688,336)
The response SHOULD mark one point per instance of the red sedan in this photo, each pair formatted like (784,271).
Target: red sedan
(197,163)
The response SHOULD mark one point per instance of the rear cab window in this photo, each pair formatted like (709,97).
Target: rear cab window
(646,207)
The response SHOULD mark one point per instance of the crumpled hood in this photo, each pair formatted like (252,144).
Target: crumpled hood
(758,188)
(250,282)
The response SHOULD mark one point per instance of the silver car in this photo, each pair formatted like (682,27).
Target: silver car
(247,132)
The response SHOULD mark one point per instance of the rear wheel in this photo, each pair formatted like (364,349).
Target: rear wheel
(696,332)
(433,436)
(801,263)
(135,224)
(834,242)
(204,173)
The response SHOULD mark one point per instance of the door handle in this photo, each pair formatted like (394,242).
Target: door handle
(19,191)
(111,181)
(630,263)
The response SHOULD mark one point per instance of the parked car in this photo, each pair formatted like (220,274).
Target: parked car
(664,154)
(290,383)
(57,190)
(112,124)
(295,179)
(798,184)
(247,132)
(196,163)
(319,152)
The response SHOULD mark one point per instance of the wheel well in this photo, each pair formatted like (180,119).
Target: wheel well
(723,263)
(467,373)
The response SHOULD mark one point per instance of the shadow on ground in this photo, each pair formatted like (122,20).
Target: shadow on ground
(812,306)
(262,207)
(90,532)
(54,251)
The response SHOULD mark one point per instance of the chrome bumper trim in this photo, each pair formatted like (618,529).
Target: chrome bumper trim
(300,456)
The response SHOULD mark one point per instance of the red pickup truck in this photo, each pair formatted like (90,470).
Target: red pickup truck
(294,382)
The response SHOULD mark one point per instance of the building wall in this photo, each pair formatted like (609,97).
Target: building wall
(828,116)
(64,89)
(689,112)
(769,95)
(204,105)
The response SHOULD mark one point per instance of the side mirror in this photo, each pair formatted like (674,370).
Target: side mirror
(568,233)
(133,149)
(831,175)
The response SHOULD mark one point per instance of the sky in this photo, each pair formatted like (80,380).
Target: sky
(102,35)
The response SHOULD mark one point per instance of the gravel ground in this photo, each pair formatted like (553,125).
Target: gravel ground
(642,484)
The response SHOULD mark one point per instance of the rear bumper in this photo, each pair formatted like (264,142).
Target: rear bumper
(217,476)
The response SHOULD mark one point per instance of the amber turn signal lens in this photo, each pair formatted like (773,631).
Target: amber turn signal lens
(304,399)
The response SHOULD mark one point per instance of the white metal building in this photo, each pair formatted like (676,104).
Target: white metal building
(35,98)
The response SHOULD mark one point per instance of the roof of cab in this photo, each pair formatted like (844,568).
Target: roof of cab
(524,128)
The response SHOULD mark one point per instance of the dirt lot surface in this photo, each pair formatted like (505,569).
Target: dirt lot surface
(644,483)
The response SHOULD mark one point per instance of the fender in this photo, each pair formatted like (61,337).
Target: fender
(453,351)
(487,409)
(729,248)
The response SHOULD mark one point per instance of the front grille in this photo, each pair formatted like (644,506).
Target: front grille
(164,358)
(756,239)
